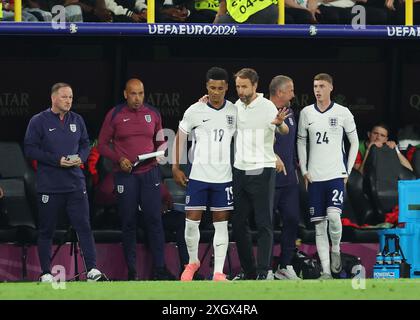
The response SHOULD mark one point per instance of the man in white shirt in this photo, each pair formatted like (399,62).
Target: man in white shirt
(254,173)
(326,171)
(212,126)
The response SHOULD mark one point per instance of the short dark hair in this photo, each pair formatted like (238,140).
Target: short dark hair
(325,77)
(58,86)
(248,73)
(278,83)
(381,124)
(216,73)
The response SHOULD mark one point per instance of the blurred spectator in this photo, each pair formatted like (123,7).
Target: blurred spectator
(204,11)
(335,12)
(127,10)
(1,193)
(173,10)
(340,12)
(73,12)
(378,136)
(376,13)
(245,11)
(397,8)
(301,11)
(188,11)
(33,7)
(9,14)
(93,10)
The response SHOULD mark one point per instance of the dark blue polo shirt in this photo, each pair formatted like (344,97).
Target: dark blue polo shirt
(285,147)
(48,139)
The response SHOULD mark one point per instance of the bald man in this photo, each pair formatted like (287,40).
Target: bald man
(131,129)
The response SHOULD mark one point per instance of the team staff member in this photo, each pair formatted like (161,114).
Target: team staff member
(129,130)
(254,173)
(52,135)
(326,171)
(286,198)
(246,11)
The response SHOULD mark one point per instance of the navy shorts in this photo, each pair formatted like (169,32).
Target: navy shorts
(325,194)
(202,195)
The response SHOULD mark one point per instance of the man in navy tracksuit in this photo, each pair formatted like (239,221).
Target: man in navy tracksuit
(129,130)
(51,137)
(286,198)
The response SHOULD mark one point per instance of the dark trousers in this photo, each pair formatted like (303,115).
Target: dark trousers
(298,16)
(253,192)
(286,203)
(77,207)
(141,190)
(334,15)
(174,223)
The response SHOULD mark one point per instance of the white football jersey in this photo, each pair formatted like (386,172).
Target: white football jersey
(325,130)
(212,131)
(255,135)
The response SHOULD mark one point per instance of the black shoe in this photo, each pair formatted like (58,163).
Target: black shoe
(243,276)
(261,276)
(163,274)
(132,276)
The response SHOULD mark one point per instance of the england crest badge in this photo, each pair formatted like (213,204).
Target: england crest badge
(72,127)
(45,198)
(120,188)
(333,122)
(148,118)
(230,119)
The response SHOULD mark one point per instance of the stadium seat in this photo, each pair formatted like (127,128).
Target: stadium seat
(361,214)
(382,172)
(177,192)
(105,222)
(363,211)
(19,202)
(166,171)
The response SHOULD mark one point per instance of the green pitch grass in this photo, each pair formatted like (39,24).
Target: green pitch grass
(206,290)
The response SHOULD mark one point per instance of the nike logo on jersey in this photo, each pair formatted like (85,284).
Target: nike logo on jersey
(156,184)
(51,129)
(125,120)
(230,203)
(310,123)
(206,120)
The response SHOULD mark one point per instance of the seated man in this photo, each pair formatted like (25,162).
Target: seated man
(378,136)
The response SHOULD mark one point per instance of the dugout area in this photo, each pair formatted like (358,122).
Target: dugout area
(375,76)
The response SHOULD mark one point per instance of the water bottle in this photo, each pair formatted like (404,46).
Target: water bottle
(388,258)
(379,258)
(396,258)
